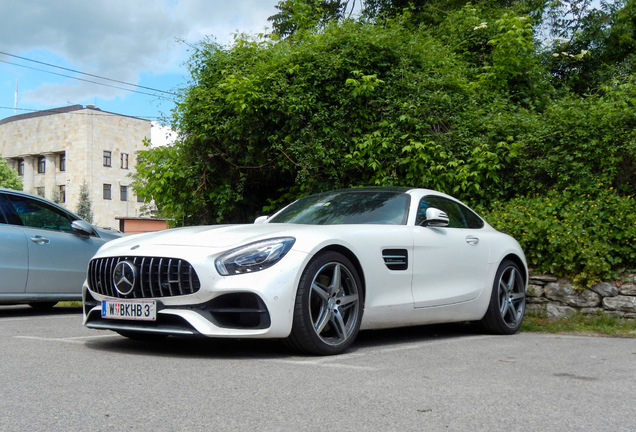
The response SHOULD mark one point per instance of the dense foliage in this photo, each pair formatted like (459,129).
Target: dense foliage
(589,235)
(8,177)
(488,101)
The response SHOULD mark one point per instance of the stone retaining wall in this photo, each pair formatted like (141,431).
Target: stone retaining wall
(557,298)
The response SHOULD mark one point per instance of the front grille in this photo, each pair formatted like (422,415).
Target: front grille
(156,277)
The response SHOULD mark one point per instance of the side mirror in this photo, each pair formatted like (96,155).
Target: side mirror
(82,227)
(261,219)
(435,218)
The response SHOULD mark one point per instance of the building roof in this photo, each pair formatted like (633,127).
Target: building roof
(53,111)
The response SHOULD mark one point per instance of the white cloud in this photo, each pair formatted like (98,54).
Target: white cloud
(120,39)
(161,135)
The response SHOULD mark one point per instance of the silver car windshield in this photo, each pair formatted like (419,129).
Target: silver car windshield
(347,207)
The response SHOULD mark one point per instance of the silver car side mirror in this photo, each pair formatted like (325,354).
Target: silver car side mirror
(82,227)
(261,219)
(435,218)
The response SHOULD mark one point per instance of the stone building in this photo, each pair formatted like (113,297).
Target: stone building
(56,151)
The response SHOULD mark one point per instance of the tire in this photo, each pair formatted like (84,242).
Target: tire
(43,305)
(328,307)
(507,301)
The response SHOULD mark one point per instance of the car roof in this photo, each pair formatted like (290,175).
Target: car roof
(37,197)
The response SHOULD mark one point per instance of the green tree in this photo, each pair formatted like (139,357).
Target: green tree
(461,97)
(84,206)
(296,15)
(590,45)
(8,177)
(355,104)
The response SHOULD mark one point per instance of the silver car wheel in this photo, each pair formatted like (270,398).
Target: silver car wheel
(507,304)
(512,298)
(329,306)
(334,303)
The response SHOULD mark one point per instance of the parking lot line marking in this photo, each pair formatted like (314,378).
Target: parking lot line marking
(4,319)
(330,361)
(323,364)
(77,339)
(416,345)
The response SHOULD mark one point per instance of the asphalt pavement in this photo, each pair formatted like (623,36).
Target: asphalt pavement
(58,375)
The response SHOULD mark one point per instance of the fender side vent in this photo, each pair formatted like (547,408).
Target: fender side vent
(396,259)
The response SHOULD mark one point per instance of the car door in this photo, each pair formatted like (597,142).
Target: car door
(14,254)
(449,263)
(58,256)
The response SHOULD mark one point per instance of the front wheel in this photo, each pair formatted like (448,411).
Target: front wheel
(507,301)
(329,305)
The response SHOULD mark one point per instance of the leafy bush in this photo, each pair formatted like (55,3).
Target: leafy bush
(588,237)
(8,177)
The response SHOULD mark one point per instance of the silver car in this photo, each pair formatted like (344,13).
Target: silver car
(44,250)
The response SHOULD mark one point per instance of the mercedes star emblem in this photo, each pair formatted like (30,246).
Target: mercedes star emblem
(124,275)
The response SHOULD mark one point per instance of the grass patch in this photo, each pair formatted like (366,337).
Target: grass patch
(70,304)
(601,324)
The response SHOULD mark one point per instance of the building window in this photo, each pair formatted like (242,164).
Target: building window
(41,165)
(62,193)
(139,200)
(21,167)
(124,160)
(40,191)
(62,162)
(107,158)
(107,194)
(123,193)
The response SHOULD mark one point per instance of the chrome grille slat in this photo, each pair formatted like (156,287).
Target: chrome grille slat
(157,277)
(179,277)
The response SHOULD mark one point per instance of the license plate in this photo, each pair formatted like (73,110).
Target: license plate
(138,310)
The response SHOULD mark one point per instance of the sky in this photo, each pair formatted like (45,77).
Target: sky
(140,42)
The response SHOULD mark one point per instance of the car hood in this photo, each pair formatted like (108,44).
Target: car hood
(215,236)
(108,234)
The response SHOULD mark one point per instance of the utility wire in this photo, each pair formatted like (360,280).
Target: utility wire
(88,81)
(84,73)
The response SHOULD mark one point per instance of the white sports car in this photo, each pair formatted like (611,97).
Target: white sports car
(314,273)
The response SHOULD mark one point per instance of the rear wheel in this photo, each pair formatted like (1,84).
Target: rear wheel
(507,301)
(329,306)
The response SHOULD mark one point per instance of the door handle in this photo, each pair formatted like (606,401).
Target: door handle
(472,240)
(40,240)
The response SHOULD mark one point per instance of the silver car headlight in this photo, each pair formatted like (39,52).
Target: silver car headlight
(253,257)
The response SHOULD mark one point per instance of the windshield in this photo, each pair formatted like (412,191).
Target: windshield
(347,207)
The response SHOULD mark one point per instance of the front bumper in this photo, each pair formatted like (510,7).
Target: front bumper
(256,305)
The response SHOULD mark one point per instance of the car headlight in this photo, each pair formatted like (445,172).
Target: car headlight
(254,256)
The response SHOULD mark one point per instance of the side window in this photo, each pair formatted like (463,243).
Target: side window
(7,213)
(459,216)
(36,214)
(474,221)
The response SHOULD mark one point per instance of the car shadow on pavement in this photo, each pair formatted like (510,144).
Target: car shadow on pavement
(267,348)
(25,311)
